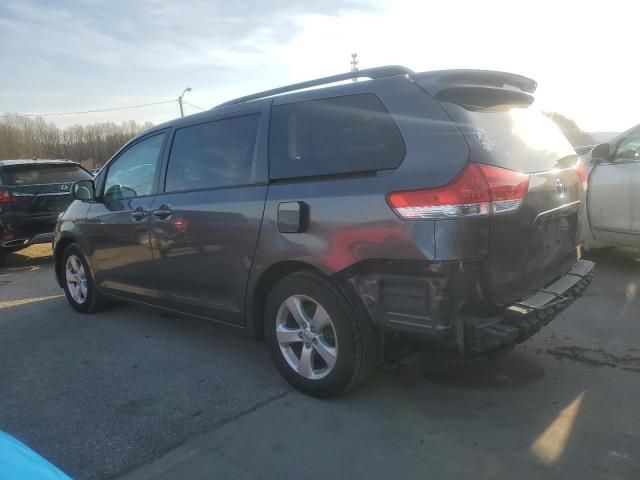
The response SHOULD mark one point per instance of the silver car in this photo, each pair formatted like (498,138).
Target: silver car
(613,195)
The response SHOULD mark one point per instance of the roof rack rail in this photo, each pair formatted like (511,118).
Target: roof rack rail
(372,73)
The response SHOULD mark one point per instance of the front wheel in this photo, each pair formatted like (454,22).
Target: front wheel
(315,337)
(79,286)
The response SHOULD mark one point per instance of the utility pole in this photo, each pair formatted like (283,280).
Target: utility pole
(354,64)
(188,89)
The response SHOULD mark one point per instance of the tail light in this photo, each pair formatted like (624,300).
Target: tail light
(7,196)
(478,190)
(583,175)
(508,188)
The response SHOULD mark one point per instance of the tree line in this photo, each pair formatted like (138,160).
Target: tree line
(91,145)
(576,136)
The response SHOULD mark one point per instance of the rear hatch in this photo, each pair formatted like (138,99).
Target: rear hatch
(533,245)
(39,189)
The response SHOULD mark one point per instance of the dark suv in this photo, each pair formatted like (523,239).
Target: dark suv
(341,223)
(32,195)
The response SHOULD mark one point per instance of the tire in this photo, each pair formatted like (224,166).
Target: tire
(92,300)
(347,339)
(3,256)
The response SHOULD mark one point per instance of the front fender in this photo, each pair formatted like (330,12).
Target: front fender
(69,230)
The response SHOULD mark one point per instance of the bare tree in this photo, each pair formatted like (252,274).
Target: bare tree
(91,145)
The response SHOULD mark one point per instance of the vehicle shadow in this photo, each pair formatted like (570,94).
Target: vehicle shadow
(25,278)
(31,256)
(512,370)
(622,260)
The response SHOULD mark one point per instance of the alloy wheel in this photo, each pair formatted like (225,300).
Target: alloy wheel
(306,337)
(76,279)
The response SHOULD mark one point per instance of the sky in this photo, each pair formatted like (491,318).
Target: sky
(70,55)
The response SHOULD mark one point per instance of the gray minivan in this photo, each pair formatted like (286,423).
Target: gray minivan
(344,222)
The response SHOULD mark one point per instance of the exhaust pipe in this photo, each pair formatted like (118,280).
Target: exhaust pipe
(15,243)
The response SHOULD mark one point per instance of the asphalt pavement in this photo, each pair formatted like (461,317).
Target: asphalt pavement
(133,393)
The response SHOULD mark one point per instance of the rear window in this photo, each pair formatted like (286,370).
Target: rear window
(348,134)
(34,174)
(520,139)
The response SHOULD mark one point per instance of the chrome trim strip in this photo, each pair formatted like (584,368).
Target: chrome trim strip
(561,207)
(617,230)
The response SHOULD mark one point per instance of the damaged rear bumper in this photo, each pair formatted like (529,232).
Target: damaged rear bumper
(524,318)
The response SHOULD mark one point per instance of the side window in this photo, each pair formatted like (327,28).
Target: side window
(213,154)
(132,173)
(629,149)
(353,133)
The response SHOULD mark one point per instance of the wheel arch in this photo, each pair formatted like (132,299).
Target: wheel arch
(60,247)
(258,295)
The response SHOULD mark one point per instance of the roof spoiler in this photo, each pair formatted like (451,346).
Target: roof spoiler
(477,89)
(438,81)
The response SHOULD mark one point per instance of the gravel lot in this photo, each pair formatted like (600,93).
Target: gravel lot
(133,390)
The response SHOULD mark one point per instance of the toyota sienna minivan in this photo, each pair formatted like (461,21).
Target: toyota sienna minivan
(437,209)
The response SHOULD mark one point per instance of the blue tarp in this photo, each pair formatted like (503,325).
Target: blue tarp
(19,462)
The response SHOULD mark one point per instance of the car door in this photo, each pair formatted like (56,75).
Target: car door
(614,199)
(118,221)
(205,224)
(628,151)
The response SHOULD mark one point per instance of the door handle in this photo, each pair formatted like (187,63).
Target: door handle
(139,214)
(162,213)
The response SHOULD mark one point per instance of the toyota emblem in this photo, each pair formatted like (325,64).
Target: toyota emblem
(560,187)
(64,187)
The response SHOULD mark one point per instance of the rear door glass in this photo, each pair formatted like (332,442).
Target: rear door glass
(348,134)
(33,174)
(213,154)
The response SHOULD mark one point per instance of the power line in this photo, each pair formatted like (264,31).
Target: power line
(194,106)
(88,111)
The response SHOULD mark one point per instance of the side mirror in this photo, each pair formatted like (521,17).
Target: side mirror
(601,152)
(84,190)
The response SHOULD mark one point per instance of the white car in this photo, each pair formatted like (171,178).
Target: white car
(613,196)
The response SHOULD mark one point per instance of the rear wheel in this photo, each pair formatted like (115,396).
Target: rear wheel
(3,256)
(315,337)
(79,286)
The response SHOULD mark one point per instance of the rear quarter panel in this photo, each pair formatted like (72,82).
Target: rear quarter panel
(349,219)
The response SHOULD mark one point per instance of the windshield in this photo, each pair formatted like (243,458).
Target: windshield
(31,174)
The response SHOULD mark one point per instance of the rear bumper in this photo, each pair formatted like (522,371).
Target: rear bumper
(434,304)
(524,318)
(20,232)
